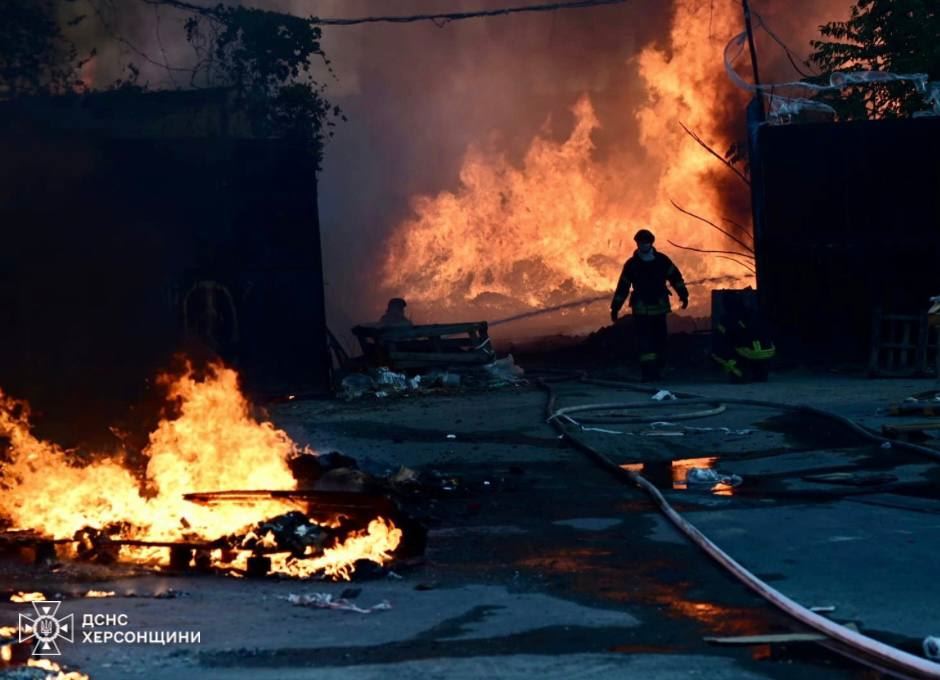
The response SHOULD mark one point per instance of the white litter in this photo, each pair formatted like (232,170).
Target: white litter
(886,445)
(706,476)
(326,601)
(690,428)
(932,647)
(504,371)
(391,379)
(451,436)
(664,394)
(601,430)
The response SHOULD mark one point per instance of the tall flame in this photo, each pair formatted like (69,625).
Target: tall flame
(212,444)
(560,225)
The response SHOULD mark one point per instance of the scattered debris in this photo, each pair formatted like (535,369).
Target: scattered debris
(326,601)
(916,432)
(664,394)
(505,371)
(691,428)
(451,436)
(355,385)
(852,478)
(383,382)
(394,381)
(766,639)
(405,477)
(772,638)
(932,647)
(292,532)
(698,476)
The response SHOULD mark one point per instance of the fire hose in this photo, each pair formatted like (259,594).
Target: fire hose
(852,644)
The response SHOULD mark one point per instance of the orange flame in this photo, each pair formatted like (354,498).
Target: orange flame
(213,444)
(558,227)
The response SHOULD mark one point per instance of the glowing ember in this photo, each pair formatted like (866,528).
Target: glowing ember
(27,597)
(559,226)
(99,593)
(213,443)
(8,631)
(54,671)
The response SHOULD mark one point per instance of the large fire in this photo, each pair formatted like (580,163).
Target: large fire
(211,443)
(558,227)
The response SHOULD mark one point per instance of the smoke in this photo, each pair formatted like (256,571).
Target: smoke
(418,96)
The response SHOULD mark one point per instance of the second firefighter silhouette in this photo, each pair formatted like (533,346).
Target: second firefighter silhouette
(647,273)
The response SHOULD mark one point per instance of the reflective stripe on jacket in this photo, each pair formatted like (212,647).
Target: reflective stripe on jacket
(648,281)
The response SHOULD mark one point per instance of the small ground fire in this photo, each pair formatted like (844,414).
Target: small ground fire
(211,442)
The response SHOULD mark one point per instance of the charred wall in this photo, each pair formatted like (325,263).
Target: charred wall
(136,227)
(848,219)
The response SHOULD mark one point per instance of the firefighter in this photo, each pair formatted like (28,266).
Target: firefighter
(395,314)
(742,343)
(647,273)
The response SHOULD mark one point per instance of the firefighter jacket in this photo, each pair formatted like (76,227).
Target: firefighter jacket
(648,280)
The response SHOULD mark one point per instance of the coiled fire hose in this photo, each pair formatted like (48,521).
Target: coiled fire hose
(852,644)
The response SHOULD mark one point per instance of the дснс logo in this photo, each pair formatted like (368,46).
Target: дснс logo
(46,628)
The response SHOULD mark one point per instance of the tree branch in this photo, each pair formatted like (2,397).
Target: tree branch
(741,227)
(714,226)
(738,262)
(713,252)
(714,153)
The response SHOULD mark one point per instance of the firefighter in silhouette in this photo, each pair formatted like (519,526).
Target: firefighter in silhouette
(647,272)
(395,314)
(742,344)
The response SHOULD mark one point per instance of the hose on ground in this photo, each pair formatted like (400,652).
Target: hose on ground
(880,654)
(629,418)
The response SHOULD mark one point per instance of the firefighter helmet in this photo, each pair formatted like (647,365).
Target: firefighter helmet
(644,236)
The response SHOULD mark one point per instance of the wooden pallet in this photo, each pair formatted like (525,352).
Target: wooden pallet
(426,346)
(903,345)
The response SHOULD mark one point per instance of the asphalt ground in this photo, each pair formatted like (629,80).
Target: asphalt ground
(540,563)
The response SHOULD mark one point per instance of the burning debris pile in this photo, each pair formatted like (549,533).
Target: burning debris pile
(194,503)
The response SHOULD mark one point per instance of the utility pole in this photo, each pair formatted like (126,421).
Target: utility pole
(750,42)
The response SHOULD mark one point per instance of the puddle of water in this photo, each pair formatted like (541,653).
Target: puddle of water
(597,572)
(673,473)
